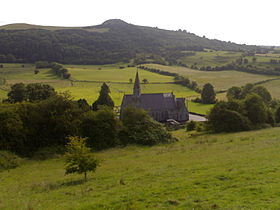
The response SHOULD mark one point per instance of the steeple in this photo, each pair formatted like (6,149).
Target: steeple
(137,88)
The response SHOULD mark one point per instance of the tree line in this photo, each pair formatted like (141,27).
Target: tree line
(178,79)
(31,123)
(248,107)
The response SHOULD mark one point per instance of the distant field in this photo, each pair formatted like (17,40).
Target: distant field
(90,91)
(220,58)
(117,79)
(206,171)
(210,58)
(113,74)
(221,80)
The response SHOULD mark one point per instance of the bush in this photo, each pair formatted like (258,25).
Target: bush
(140,128)
(8,160)
(222,119)
(191,125)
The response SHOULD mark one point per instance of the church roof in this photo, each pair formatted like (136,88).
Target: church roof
(153,101)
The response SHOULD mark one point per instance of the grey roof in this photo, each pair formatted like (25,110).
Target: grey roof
(153,101)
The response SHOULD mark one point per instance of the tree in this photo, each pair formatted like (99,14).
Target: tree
(145,81)
(254,59)
(234,93)
(277,115)
(130,80)
(79,159)
(255,108)
(38,92)
(17,93)
(101,127)
(140,128)
(262,92)
(104,98)
(223,119)
(208,95)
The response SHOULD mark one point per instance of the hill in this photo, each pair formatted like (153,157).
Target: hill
(210,171)
(111,42)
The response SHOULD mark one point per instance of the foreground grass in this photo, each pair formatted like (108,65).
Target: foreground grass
(224,171)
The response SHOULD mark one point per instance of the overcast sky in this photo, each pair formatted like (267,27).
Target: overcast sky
(240,21)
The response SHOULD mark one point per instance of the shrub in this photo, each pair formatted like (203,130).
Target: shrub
(8,160)
(140,128)
(222,119)
(191,125)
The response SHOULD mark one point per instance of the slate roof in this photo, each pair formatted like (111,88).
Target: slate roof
(154,101)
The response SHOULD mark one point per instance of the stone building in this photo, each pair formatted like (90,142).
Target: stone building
(160,106)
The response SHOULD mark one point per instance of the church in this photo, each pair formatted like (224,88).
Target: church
(160,106)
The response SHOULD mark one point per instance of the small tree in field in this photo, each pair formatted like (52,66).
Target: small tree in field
(79,158)
(208,95)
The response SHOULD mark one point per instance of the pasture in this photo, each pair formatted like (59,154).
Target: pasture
(87,80)
(205,171)
(220,58)
(209,58)
(221,80)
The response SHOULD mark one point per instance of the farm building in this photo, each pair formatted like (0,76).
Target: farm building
(160,106)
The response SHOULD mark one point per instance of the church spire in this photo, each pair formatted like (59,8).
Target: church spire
(137,88)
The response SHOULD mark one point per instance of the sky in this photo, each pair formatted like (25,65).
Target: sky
(241,21)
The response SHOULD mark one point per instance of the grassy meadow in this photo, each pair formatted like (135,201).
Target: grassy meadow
(221,80)
(87,80)
(219,58)
(206,171)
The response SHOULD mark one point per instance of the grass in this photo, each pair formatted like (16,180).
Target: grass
(273,87)
(87,81)
(114,74)
(90,91)
(208,171)
(214,58)
(221,80)
(220,58)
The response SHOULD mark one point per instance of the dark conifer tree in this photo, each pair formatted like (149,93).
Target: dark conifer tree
(208,95)
(104,98)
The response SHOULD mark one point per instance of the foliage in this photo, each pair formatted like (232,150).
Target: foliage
(234,93)
(101,128)
(104,98)
(191,125)
(140,128)
(106,43)
(12,133)
(79,159)
(8,160)
(208,95)
(18,93)
(222,118)
(31,92)
(255,108)
(262,92)
(60,71)
(42,64)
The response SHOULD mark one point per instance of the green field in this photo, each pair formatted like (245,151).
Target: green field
(221,80)
(214,58)
(210,171)
(87,80)
(220,58)
(112,73)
